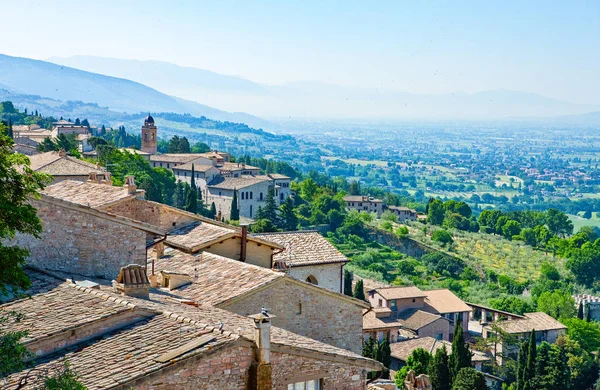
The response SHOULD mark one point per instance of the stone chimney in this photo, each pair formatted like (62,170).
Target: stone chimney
(219,216)
(62,153)
(133,281)
(107,179)
(93,177)
(130,186)
(262,340)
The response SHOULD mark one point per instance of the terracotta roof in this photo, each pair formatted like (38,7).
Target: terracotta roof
(304,248)
(402,349)
(88,194)
(61,308)
(539,321)
(401,292)
(196,235)
(133,349)
(401,208)
(197,167)
(359,198)
(231,166)
(178,158)
(230,183)
(53,164)
(412,319)
(444,301)
(215,279)
(278,176)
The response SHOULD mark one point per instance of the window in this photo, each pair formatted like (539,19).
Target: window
(414,300)
(219,193)
(260,196)
(393,305)
(251,211)
(312,280)
(299,308)
(380,303)
(250,195)
(243,193)
(281,196)
(440,336)
(314,384)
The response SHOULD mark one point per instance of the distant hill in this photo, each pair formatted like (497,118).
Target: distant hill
(311,99)
(587,119)
(32,77)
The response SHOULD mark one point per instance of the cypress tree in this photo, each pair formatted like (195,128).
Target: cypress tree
(191,201)
(368,348)
(529,372)
(359,292)
(213,210)
(522,364)
(588,315)
(580,311)
(438,371)
(289,220)
(235,211)
(270,210)
(386,357)
(10,129)
(461,356)
(348,276)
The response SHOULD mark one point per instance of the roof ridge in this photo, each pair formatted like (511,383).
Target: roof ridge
(285,232)
(103,295)
(187,320)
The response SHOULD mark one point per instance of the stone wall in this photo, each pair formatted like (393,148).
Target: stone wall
(151,213)
(306,311)
(256,254)
(81,243)
(328,275)
(226,369)
(435,328)
(289,369)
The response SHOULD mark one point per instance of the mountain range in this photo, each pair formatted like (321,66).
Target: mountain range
(310,99)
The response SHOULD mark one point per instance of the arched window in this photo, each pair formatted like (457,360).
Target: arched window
(312,280)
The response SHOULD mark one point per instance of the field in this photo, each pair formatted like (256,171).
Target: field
(579,222)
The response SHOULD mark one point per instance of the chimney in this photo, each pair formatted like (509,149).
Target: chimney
(219,216)
(107,179)
(130,185)
(244,242)
(62,153)
(132,281)
(262,340)
(93,177)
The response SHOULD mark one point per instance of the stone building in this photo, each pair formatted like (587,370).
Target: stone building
(403,214)
(202,174)
(115,341)
(149,136)
(63,167)
(364,203)
(251,194)
(425,312)
(171,160)
(310,257)
(244,289)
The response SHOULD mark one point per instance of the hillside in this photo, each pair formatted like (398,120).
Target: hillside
(33,77)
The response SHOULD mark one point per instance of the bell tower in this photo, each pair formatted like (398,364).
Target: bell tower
(149,135)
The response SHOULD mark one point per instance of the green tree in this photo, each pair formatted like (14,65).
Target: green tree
(580,311)
(557,304)
(528,236)
(348,277)
(460,356)
(213,211)
(438,371)
(13,352)
(359,290)
(191,200)
(386,357)
(289,220)
(510,229)
(529,372)
(235,211)
(418,361)
(179,196)
(558,223)
(442,236)
(469,379)
(263,226)
(435,212)
(63,378)
(522,364)
(587,334)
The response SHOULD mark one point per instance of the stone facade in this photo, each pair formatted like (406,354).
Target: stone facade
(256,253)
(329,276)
(83,243)
(249,198)
(302,309)
(333,376)
(435,329)
(151,213)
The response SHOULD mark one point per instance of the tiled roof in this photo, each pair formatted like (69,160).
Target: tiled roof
(401,208)
(230,166)
(539,321)
(444,301)
(402,349)
(178,158)
(413,319)
(304,248)
(278,176)
(401,292)
(197,167)
(215,279)
(359,198)
(53,164)
(230,183)
(59,309)
(87,193)
(131,351)
(195,235)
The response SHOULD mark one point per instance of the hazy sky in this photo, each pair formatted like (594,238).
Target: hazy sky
(548,47)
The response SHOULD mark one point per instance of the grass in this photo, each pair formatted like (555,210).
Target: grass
(579,222)
(490,252)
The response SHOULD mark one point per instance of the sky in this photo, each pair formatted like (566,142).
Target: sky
(426,47)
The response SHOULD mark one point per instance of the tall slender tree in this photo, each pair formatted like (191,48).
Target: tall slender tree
(235,211)
(438,371)
(348,276)
(359,290)
(529,372)
(580,311)
(213,211)
(191,200)
(522,364)
(461,356)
